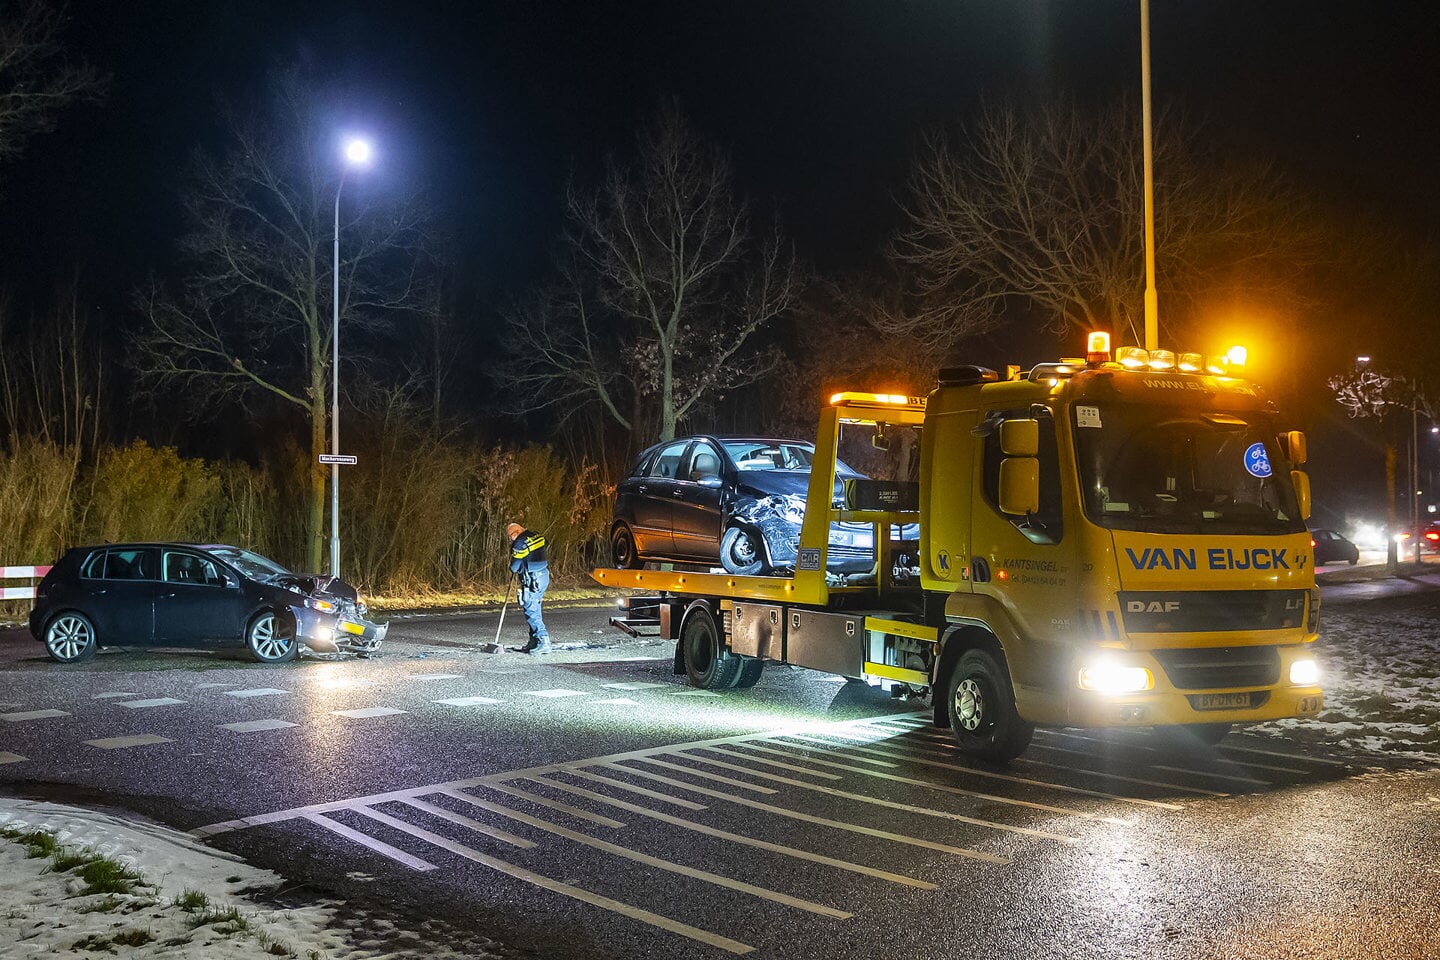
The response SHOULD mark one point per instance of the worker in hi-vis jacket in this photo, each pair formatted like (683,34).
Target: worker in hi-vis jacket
(532,572)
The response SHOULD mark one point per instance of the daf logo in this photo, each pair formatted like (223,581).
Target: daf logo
(1154,606)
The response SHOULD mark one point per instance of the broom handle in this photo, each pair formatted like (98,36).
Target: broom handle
(501,624)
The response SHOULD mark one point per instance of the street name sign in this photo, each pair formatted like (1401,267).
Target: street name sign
(339,458)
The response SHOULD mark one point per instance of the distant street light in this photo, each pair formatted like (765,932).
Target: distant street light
(357,154)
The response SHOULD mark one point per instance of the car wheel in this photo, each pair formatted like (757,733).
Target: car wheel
(70,638)
(981,706)
(622,549)
(708,665)
(740,553)
(267,641)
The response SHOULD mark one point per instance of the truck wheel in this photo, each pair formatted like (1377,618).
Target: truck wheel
(981,706)
(622,549)
(750,670)
(740,553)
(708,665)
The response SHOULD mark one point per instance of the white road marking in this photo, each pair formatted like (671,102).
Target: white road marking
(634,685)
(257,692)
(535,798)
(892,749)
(829,746)
(1284,756)
(210,686)
(1111,776)
(642,791)
(733,837)
(120,743)
(468,701)
(823,821)
(1212,774)
(695,693)
(113,694)
(795,768)
(619,851)
(11,757)
(559,692)
(619,702)
(706,775)
(370,843)
(156,702)
(1165,751)
(255,726)
(578,893)
(368,712)
(471,824)
(929,811)
(32,715)
(435,676)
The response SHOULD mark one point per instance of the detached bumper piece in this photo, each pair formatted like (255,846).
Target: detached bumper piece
(360,636)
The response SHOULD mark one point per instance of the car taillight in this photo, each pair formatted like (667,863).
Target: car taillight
(1432,535)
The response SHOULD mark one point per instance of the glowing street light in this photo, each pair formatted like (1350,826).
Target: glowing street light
(357,154)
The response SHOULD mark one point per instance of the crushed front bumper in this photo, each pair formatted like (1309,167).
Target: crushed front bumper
(346,633)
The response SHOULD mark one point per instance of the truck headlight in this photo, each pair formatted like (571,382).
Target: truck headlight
(1112,678)
(1304,673)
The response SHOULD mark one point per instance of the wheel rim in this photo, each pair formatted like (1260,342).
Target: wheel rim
(623,550)
(970,704)
(68,637)
(742,550)
(266,641)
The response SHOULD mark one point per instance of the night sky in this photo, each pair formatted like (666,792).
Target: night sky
(821,104)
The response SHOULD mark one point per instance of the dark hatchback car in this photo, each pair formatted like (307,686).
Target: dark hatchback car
(1331,547)
(179,594)
(738,502)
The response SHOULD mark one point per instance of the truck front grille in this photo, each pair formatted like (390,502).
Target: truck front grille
(1219,668)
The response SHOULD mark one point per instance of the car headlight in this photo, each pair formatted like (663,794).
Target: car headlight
(1305,673)
(1112,678)
(792,509)
(324,606)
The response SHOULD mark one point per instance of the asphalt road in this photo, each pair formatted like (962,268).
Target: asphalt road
(589,804)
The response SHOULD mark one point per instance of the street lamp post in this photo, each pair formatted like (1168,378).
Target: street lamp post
(357,153)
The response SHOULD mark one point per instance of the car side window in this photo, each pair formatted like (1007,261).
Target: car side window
(191,568)
(667,464)
(703,463)
(94,566)
(132,564)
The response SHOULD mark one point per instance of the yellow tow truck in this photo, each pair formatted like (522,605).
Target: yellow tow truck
(1113,541)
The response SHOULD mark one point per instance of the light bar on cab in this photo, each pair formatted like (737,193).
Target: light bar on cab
(888,399)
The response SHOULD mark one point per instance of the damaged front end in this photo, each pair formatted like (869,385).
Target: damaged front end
(329,616)
(778,518)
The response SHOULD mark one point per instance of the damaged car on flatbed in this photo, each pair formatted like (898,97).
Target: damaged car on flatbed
(732,502)
(182,594)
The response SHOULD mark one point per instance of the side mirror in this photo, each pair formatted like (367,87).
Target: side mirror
(1301,481)
(232,582)
(1295,447)
(710,481)
(1020,438)
(1020,485)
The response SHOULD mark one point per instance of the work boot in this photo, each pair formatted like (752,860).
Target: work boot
(537,647)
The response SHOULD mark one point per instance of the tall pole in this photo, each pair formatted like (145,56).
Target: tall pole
(1415,480)
(1152,299)
(335,399)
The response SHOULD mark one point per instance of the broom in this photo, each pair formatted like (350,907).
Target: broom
(496,647)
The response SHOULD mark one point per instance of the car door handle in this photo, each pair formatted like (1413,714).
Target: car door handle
(165,596)
(678,492)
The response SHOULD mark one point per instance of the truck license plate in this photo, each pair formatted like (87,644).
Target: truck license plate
(1222,701)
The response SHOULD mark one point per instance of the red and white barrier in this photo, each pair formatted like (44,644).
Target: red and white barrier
(20,573)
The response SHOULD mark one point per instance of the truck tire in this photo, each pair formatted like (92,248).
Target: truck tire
(708,665)
(750,670)
(981,706)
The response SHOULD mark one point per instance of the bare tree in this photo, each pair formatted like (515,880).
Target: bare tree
(662,289)
(35,79)
(253,319)
(1046,209)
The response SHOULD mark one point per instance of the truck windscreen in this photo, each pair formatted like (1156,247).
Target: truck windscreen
(1172,469)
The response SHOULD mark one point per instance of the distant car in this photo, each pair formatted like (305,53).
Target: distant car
(735,502)
(1431,536)
(1331,547)
(181,594)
